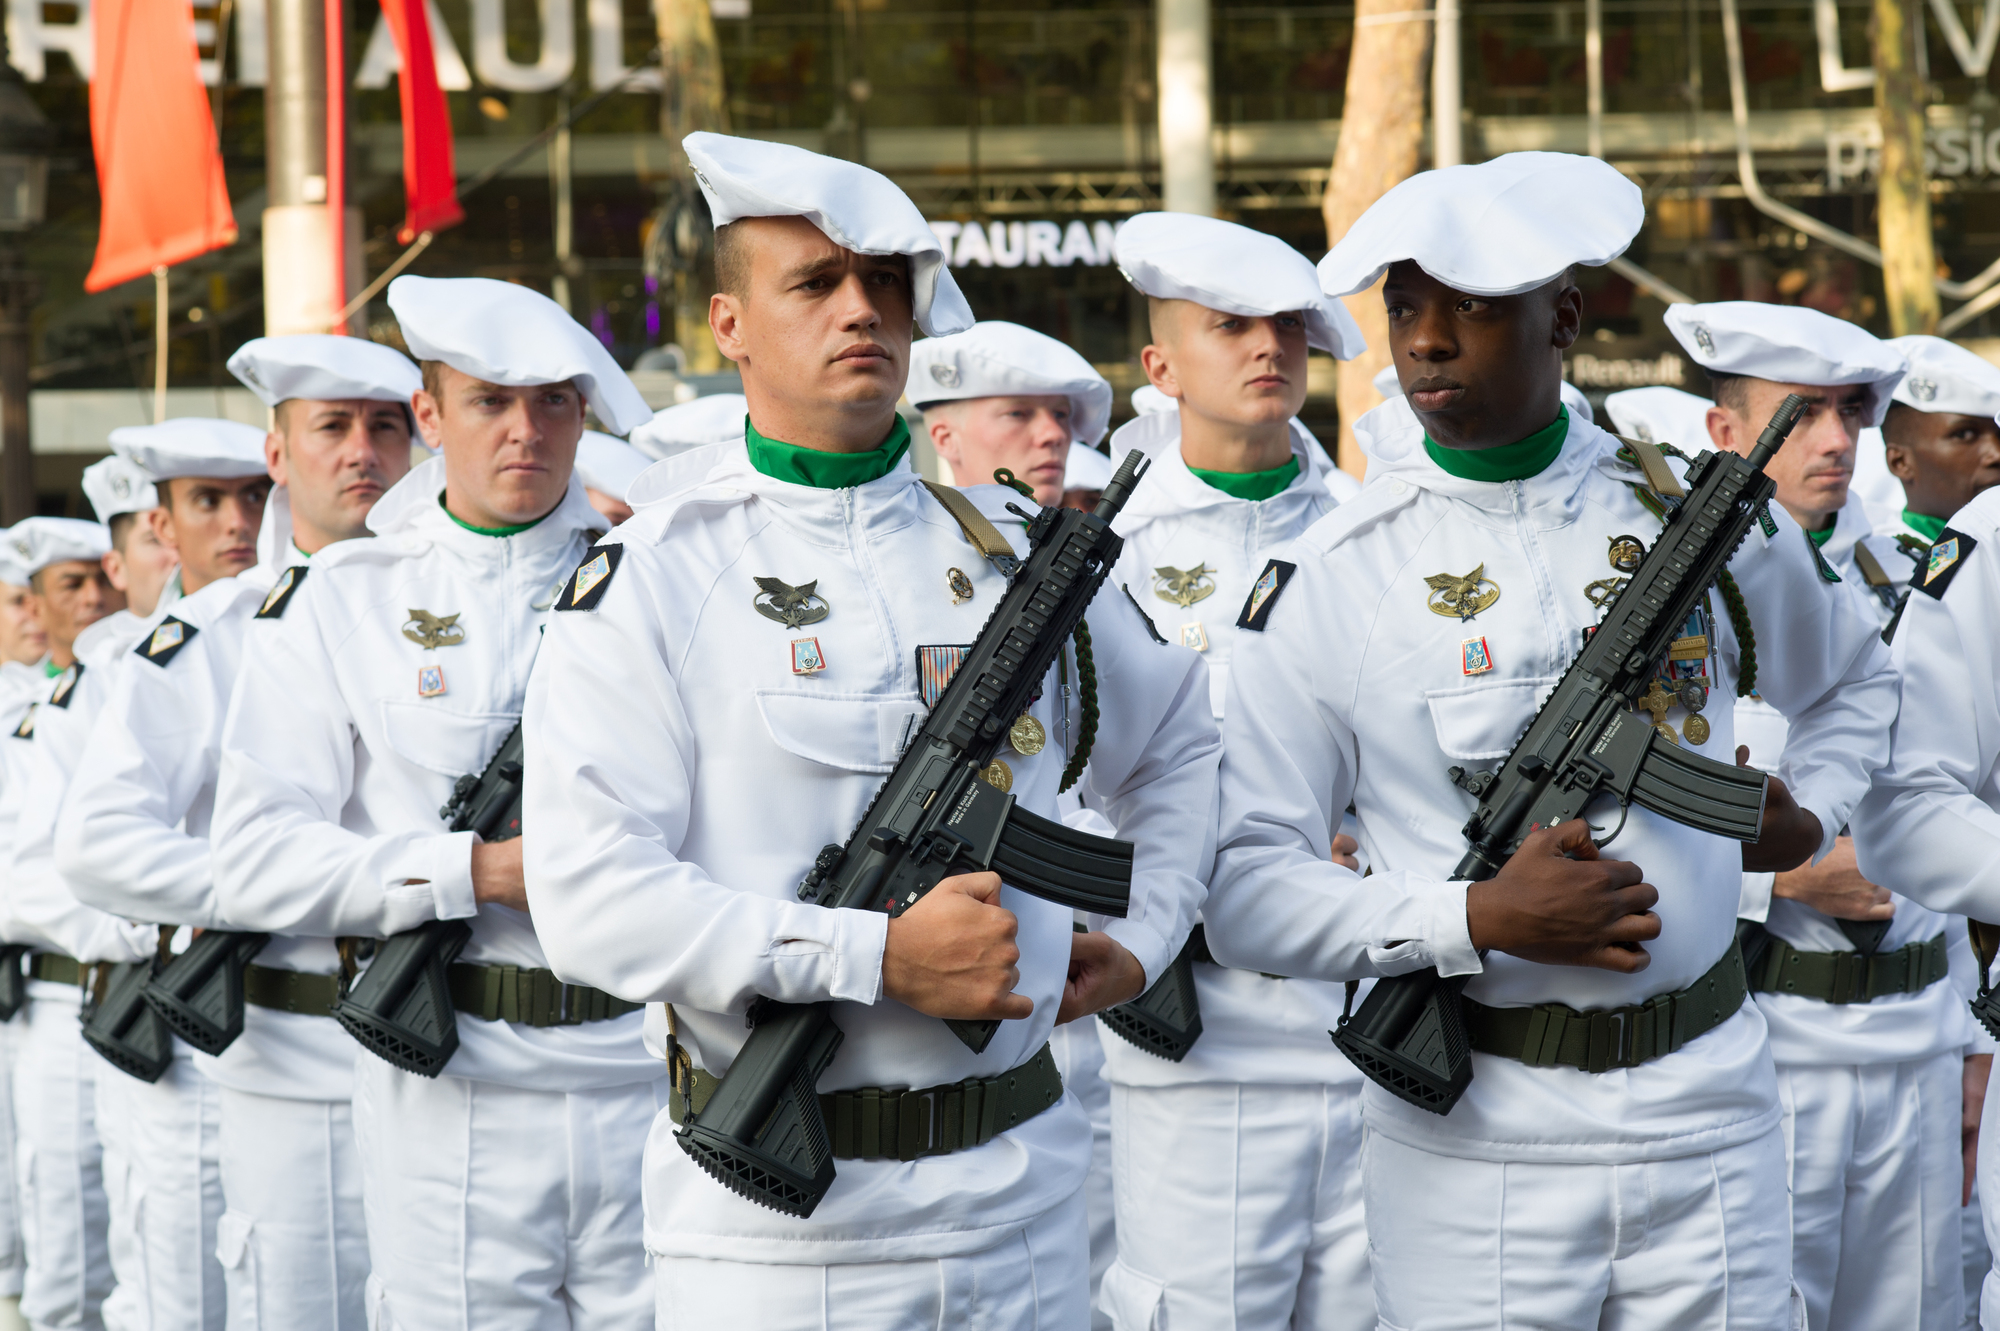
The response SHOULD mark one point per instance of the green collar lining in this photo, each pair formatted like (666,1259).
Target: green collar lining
(514,530)
(1824,534)
(51,669)
(1924,525)
(1509,462)
(823,470)
(1252,485)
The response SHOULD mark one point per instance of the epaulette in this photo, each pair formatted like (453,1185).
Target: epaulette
(1947,556)
(587,585)
(281,591)
(66,686)
(1264,594)
(165,642)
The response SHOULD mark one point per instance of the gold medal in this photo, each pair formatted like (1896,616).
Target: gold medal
(998,775)
(1027,736)
(1696,729)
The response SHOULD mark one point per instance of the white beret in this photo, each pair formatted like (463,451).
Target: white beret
(996,358)
(325,368)
(1184,256)
(715,419)
(1389,385)
(1661,415)
(1087,469)
(1497,228)
(1786,344)
(1943,376)
(857,209)
(509,334)
(192,446)
(114,486)
(608,465)
(1150,401)
(35,543)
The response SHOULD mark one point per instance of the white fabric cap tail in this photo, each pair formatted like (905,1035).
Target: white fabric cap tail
(609,465)
(192,446)
(33,544)
(1223,266)
(1087,469)
(114,485)
(1943,376)
(324,368)
(715,419)
(1661,415)
(508,334)
(1389,385)
(856,208)
(995,358)
(1150,401)
(1496,228)
(1787,344)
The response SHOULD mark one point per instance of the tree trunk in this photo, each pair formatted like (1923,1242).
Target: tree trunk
(691,61)
(1381,135)
(1909,264)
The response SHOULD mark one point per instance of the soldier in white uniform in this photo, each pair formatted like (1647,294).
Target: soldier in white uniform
(503,1193)
(714,419)
(1636,1185)
(132,840)
(737,748)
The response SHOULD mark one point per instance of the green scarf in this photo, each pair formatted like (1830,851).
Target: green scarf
(822,470)
(1924,525)
(514,530)
(1509,462)
(1824,534)
(1251,485)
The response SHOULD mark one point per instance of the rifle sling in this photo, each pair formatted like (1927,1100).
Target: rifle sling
(983,535)
(1850,977)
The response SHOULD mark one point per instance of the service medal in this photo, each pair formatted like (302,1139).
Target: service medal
(1027,736)
(1696,729)
(961,586)
(998,775)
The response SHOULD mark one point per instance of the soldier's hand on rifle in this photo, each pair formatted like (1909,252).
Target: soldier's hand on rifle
(1556,902)
(1344,851)
(953,953)
(496,874)
(1835,887)
(1789,835)
(1102,973)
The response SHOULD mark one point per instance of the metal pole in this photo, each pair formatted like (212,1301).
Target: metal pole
(1447,85)
(560,183)
(1593,65)
(19,290)
(298,286)
(1187,112)
(159,344)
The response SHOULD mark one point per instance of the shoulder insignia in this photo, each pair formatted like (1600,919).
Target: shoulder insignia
(1947,556)
(1264,594)
(281,592)
(586,586)
(66,686)
(1148,619)
(1827,572)
(26,730)
(166,641)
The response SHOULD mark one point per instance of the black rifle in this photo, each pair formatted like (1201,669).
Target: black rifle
(1409,1034)
(199,994)
(119,1025)
(762,1134)
(1985,945)
(13,979)
(1166,1019)
(400,1009)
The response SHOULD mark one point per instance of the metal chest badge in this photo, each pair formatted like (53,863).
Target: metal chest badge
(794,607)
(807,659)
(961,586)
(431,632)
(1184,586)
(1474,657)
(1463,597)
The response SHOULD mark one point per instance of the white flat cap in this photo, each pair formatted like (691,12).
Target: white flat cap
(114,486)
(1389,385)
(1788,344)
(1497,228)
(608,465)
(996,358)
(35,543)
(1184,256)
(1087,469)
(1661,415)
(1150,401)
(508,334)
(715,419)
(858,209)
(325,368)
(192,446)
(1943,376)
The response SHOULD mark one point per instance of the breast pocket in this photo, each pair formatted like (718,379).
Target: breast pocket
(1477,722)
(848,732)
(443,741)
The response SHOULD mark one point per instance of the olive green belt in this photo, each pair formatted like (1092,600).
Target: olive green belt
(1850,977)
(290,991)
(878,1123)
(1551,1035)
(532,997)
(55,968)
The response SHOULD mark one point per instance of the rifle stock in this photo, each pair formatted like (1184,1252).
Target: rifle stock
(121,1027)
(199,994)
(13,979)
(1166,1019)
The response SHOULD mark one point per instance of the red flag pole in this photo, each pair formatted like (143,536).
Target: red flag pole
(336,153)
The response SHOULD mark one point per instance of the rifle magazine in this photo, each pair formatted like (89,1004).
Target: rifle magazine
(1701,793)
(1047,859)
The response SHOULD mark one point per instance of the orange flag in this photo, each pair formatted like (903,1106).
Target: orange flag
(159,168)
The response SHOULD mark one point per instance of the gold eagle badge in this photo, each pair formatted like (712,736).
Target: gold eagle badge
(1463,597)
(431,631)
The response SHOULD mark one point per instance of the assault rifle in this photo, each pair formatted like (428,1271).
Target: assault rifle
(199,994)
(13,979)
(762,1134)
(1409,1034)
(400,1009)
(119,1025)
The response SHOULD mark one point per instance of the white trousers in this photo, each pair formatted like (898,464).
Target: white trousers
(1696,1243)
(1037,1280)
(13,1262)
(1079,1057)
(1876,1175)
(1239,1207)
(293,1243)
(491,1208)
(164,1187)
(60,1166)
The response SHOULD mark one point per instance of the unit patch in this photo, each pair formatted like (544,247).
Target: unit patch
(430,681)
(281,592)
(807,659)
(1948,553)
(1826,570)
(1474,658)
(66,686)
(587,585)
(166,641)
(1264,594)
(26,730)
(1463,597)
(935,667)
(1194,636)
(431,631)
(794,607)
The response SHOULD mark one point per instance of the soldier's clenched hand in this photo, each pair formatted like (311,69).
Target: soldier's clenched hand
(1556,902)
(953,954)
(496,874)
(1102,973)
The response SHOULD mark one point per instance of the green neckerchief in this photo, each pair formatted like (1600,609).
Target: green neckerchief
(1824,534)
(826,471)
(51,669)
(1509,462)
(514,530)
(302,554)
(1924,525)
(1251,485)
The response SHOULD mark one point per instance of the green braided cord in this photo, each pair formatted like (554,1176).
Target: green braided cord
(1086,670)
(1746,640)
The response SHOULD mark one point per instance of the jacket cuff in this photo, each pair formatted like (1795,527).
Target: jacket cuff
(1441,936)
(450,874)
(1753,902)
(859,938)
